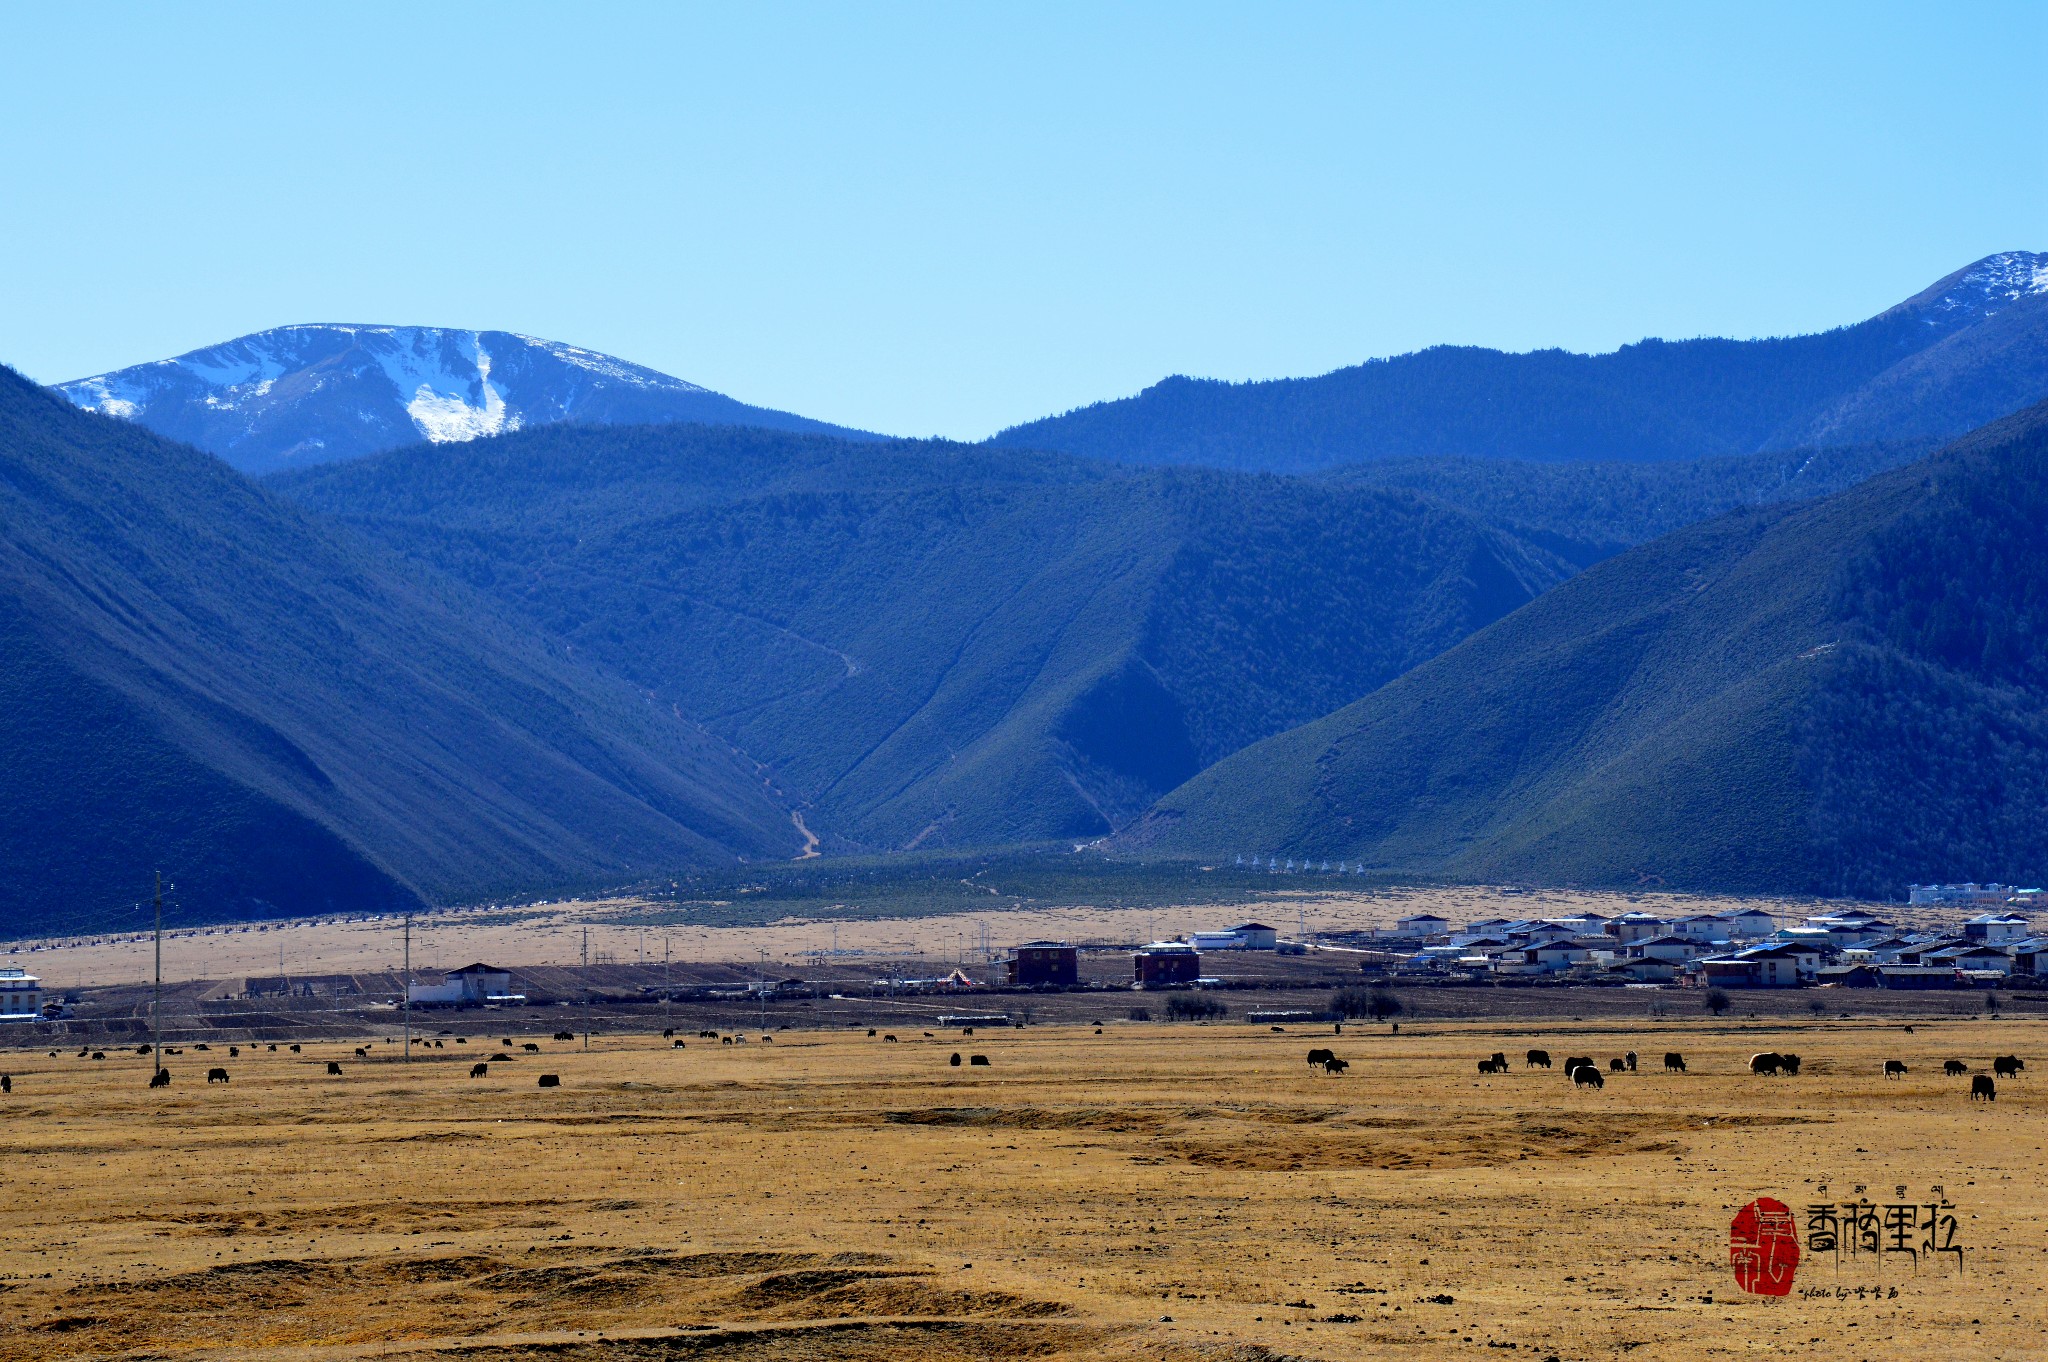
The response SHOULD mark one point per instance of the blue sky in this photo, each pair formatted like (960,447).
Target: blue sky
(944,219)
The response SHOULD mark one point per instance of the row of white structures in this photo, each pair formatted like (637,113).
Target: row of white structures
(1744,949)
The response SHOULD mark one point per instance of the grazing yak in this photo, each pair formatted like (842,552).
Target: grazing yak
(1500,1061)
(333,1068)
(1574,1062)
(160,1079)
(1982,1086)
(530,1048)
(6,1083)
(1895,1068)
(479,1070)
(1955,1068)
(499,1059)
(1674,1062)
(1537,1059)
(216,1075)
(955,1060)
(1588,1076)
(1771,1062)
(294,1048)
(677,1044)
(1615,1066)
(1334,1065)
(977,1061)
(2007,1066)
(361,1053)
(565,1035)
(234,1052)
(550,1080)
(871,1031)
(102,1054)
(1487,1066)
(1318,1055)
(890,1037)
(202,1045)
(1630,1060)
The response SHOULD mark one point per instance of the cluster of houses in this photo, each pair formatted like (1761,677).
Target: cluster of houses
(1160,964)
(1852,948)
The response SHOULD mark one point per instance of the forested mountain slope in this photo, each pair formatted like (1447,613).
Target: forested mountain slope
(1837,697)
(936,644)
(283,720)
(1965,351)
(1590,511)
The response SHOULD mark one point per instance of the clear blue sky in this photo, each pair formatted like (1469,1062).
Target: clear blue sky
(950,218)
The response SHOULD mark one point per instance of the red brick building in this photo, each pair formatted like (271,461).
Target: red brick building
(1045,963)
(1167,962)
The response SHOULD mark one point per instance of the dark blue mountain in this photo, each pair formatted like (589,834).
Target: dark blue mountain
(285,719)
(1968,350)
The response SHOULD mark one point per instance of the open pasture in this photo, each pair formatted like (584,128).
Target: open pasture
(1147,1192)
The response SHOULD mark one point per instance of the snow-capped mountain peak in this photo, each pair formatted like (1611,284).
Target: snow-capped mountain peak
(312,393)
(1985,288)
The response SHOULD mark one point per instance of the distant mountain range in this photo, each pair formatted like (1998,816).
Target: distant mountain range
(284,719)
(1967,350)
(1837,697)
(300,395)
(508,615)
(945,645)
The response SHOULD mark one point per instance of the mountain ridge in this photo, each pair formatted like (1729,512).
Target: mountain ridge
(315,392)
(1837,696)
(1978,330)
(286,719)
(936,644)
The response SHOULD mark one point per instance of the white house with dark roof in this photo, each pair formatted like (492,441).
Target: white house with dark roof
(1637,926)
(1257,936)
(1996,929)
(1671,947)
(21,995)
(1704,927)
(1752,922)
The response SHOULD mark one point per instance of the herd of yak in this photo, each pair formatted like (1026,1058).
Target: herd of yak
(1580,1069)
(1584,1073)
(160,1077)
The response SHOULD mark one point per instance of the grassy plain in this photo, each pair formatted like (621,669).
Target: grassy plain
(1151,1191)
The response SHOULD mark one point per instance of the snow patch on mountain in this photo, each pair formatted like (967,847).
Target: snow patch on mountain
(441,404)
(1996,280)
(611,367)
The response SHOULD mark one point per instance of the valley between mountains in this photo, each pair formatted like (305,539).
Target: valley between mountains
(508,616)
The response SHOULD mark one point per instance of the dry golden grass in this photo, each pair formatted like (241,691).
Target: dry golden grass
(835,1196)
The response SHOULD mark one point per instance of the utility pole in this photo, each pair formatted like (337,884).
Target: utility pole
(666,989)
(156,999)
(406,983)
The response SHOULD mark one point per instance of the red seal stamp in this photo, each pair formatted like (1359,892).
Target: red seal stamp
(1763,1247)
